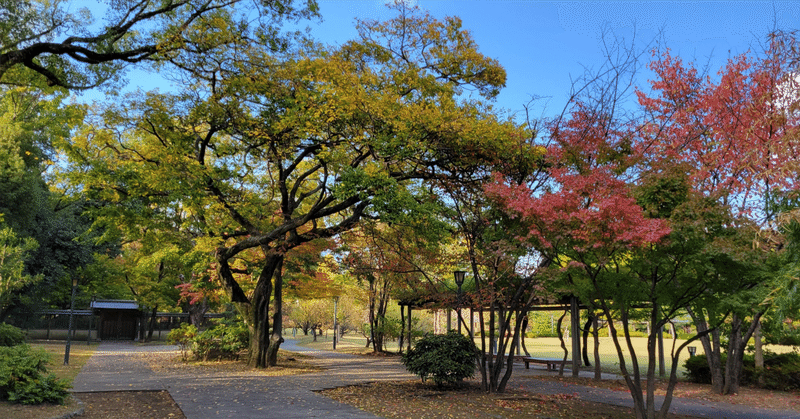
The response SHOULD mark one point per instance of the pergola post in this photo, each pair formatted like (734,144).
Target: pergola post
(575,335)
(471,323)
(660,339)
(402,327)
(409,327)
(449,319)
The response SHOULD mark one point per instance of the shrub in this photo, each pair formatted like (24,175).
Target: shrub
(697,370)
(780,372)
(23,379)
(446,358)
(541,325)
(10,335)
(183,336)
(225,340)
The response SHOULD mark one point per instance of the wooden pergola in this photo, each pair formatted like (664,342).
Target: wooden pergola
(568,302)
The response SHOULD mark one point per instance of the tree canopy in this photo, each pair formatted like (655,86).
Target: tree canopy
(297,147)
(53,43)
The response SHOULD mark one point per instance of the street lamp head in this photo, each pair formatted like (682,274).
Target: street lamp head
(459,277)
(74,281)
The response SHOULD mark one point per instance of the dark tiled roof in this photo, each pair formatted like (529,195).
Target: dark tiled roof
(116,304)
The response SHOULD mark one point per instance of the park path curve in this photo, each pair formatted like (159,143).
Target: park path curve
(117,366)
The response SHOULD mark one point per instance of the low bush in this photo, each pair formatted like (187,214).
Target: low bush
(445,358)
(225,340)
(780,372)
(10,335)
(697,370)
(24,378)
(183,336)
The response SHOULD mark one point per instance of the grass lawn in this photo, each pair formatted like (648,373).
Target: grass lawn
(539,348)
(79,353)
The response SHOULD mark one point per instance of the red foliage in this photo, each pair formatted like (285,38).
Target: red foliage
(588,204)
(738,134)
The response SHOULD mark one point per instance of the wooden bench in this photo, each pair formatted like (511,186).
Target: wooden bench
(550,362)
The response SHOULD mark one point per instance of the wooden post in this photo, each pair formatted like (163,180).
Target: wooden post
(402,327)
(575,335)
(409,328)
(471,324)
(662,369)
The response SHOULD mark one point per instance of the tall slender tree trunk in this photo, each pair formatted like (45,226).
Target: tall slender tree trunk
(711,347)
(737,344)
(152,324)
(585,350)
(276,338)
(597,371)
(525,321)
(563,345)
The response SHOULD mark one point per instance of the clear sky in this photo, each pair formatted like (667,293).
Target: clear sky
(542,44)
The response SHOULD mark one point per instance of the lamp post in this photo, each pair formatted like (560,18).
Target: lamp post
(335,322)
(692,350)
(71,316)
(459,275)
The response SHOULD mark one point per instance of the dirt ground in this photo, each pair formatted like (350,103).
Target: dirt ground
(130,405)
(415,399)
(397,399)
(103,405)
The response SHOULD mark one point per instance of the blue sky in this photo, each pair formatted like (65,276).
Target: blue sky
(542,44)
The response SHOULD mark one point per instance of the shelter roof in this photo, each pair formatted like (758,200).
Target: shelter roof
(115,304)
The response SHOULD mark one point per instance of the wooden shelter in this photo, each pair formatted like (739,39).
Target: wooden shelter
(117,319)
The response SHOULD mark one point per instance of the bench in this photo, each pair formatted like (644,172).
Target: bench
(550,362)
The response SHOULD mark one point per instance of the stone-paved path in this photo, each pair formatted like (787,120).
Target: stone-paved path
(118,366)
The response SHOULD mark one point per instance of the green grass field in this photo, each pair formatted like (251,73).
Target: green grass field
(79,353)
(545,348)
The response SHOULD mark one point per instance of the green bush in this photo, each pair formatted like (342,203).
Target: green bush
(10,335)
(183,336)
(225,340)
(697,370)
(23,379)
(541,325)
(445,358)
(780,372)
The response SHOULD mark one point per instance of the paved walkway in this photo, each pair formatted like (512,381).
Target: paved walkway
(254,395)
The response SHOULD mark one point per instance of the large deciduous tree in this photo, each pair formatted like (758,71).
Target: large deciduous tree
(293,148)
(59,43)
